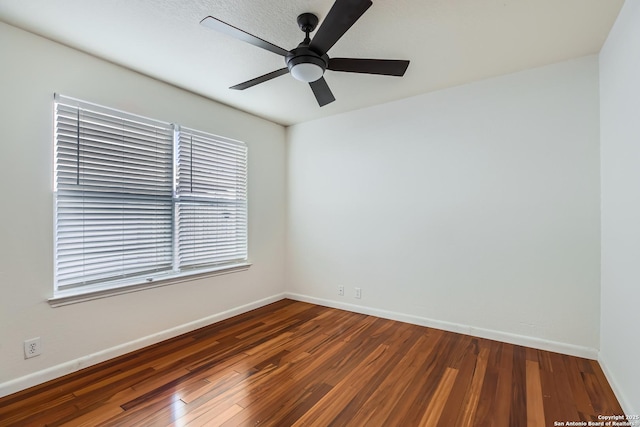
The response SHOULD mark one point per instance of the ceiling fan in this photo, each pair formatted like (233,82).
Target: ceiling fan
(309,60)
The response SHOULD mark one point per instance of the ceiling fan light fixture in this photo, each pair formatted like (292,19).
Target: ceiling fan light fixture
(305,66)
(306,72)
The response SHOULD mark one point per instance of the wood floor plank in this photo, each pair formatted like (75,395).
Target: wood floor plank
(452,410)
(596,394)
(484,413)
(518,411)
(544,358)
(432,413)
(293,363)
(224,380)
(473,395)
(551,395)
(502,413)
(580,395)
(565,397)
(214,418)
(535,406)
(609,397)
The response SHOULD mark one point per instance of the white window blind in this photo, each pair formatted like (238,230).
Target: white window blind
(137,199)
(211,212)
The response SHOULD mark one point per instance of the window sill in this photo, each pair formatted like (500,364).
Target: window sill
(73,296)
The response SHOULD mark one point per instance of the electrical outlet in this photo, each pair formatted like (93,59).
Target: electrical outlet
(341,291)
(358,293)
(32,348)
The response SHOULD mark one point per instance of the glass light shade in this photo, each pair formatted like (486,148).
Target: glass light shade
(306,72)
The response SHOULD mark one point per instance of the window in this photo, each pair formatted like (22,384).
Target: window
(138,201)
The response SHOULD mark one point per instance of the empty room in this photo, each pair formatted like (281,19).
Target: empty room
(320,212)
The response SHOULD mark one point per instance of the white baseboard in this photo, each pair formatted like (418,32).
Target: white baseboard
(62,369)
(624,402)
(558,347)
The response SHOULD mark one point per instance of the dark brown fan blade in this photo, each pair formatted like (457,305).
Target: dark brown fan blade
(343,14)
(261,79)
(322,92)
(387,67)
(230,30)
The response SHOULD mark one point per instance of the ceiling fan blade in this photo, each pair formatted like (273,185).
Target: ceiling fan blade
(230,30)
(387,67)
(322,92)
(261,79)
(343,14)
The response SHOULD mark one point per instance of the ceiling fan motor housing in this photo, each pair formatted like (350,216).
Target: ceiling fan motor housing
(304,55)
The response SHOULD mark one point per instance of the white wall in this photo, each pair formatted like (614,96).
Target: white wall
(32,70)
(477,205)
(620,165)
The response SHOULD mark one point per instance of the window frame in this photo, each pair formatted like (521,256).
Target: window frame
(78,292)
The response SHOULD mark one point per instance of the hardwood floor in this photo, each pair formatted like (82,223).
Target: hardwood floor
(298,364)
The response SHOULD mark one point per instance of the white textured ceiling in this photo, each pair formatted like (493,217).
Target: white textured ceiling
(449,42)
